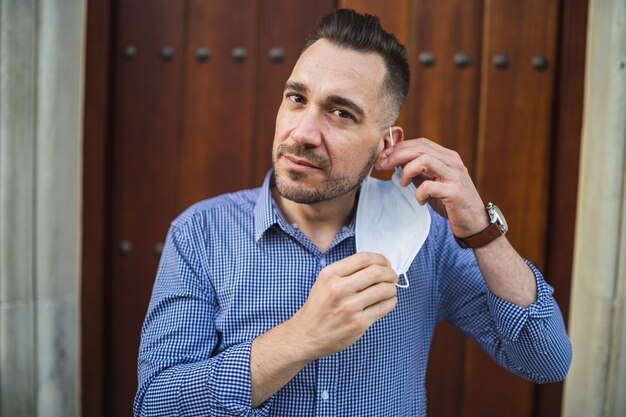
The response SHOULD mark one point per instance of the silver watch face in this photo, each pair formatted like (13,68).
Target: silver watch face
(496,216)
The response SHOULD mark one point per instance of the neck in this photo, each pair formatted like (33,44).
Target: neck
(320,222)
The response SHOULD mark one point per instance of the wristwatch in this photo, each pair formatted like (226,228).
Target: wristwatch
(497,227)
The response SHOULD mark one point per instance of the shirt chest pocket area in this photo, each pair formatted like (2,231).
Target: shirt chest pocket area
(255,296)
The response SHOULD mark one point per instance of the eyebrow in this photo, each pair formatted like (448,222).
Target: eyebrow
(296,86)
(333,99)
(344,102)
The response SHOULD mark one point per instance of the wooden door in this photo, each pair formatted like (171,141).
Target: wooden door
(194,89)
(181,103)
(143,193)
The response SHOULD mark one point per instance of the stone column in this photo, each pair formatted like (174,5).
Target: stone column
(595,384)
(41,72)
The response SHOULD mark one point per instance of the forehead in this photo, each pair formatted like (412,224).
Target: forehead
(327,69)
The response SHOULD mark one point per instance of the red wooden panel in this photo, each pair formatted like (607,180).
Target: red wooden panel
(235,103)
(443,100)
(516,122)
(513,166)
(219,99)
(147,119)
(564,184)
(442,106)
(283,24)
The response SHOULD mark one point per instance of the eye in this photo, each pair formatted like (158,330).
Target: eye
(296,98)
(343,114)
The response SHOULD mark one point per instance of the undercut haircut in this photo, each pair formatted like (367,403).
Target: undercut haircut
(348,29)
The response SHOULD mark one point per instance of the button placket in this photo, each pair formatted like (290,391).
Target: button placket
(327,388)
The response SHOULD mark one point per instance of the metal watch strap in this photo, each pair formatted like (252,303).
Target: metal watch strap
(491,233)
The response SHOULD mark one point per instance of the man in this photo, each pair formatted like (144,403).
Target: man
(262,306)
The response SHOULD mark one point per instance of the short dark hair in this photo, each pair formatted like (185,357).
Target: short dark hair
(363,33)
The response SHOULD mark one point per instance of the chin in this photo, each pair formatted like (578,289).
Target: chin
(291,185)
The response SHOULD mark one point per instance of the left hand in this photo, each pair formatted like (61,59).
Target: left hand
(441,179)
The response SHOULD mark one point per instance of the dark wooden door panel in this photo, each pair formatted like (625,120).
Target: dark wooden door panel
(218,133)
(516,117)
(444,94)
(96,133)
(443,106)
(143,177)
(513,165)
(283,27)
(199,121)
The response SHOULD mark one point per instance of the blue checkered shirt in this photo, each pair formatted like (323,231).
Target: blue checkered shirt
(233,268)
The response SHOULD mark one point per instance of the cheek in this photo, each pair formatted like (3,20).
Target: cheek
(280,113)
(343,155)
(281,131)
(352,158)
(280,116)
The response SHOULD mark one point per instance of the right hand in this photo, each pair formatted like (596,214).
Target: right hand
(347,298)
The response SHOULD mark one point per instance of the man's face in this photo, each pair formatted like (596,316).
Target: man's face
(327,128)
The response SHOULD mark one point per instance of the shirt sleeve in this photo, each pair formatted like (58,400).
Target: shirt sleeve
(180,372)
(531,342)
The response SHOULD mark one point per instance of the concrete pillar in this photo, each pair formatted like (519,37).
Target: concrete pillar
(595,384)
(41,72)
(18,88)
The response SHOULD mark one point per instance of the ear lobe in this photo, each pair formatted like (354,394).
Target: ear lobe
(379,159)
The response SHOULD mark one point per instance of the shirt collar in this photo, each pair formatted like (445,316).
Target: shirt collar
(264,214)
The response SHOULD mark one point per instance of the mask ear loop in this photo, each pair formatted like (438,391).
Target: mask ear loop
(397,169)
(406,281)
(399,172)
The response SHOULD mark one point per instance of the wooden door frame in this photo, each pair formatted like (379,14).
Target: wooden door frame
(97,128)
(96,132)
(567,132)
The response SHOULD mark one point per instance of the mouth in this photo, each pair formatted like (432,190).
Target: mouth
(299,164)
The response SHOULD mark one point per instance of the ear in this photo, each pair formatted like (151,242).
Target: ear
(391,137)
(394,136)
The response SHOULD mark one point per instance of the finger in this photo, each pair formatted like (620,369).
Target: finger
(354,263)
(374,294)
(380,309)
(427,166)
(443,153)
(372,275)
(432,189)
(408,150)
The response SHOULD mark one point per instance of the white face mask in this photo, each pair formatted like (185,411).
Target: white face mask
(390,221)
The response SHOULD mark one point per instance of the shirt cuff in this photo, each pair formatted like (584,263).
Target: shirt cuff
(511,319)
(230,385)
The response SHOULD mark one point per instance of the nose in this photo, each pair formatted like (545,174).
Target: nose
(307,130)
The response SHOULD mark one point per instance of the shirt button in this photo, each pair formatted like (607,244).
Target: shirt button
(322,262)
(325,395)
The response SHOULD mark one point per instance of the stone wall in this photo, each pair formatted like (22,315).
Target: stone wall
(41,73)
(595,384)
